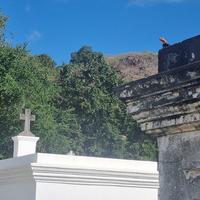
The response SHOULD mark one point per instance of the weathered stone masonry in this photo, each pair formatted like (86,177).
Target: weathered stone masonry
(167,105)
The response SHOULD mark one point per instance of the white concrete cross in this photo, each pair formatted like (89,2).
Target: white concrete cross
(27,117)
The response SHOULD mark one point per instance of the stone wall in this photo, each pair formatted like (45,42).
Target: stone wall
(178,166)
(179,54)
(167,105)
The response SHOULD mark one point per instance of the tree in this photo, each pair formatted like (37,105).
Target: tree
(75,110)
(46,60)
(28,81)
(3,21)
(87,86)
(25,83)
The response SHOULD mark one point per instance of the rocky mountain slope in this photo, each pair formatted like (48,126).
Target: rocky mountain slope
(134,66)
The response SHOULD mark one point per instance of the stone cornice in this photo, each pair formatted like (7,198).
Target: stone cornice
(94,177)
(166,103)
(159,83)
(72,173)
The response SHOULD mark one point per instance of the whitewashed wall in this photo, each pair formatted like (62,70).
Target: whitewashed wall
(83,192)
(16,181)
(23,190)
(61,177)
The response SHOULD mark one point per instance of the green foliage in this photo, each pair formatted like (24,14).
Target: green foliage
(87,85)
(25,83)
(46,60)
(3,20)
(75,110)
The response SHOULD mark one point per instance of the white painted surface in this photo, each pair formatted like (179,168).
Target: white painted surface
(85,192)
(76,177)
(24,145)
(23,190)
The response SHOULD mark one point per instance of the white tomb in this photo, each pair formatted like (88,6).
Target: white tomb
(37,176)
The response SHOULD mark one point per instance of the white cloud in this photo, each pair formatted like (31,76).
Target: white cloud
(34,36)
(150,2)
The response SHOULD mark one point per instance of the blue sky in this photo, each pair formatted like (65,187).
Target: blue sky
(59,27)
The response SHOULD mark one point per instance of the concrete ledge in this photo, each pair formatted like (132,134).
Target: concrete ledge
(66,169)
